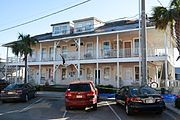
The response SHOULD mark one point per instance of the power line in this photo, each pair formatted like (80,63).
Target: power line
(45,16)
(160,3)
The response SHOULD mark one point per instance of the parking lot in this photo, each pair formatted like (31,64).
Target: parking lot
(50,106)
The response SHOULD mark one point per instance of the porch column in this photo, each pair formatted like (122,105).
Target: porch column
(54,53)
(79,57)
(39,81)
(54,73)
(166,62)
(54,65)
(16,69)
(117,74)
(6,64)
(96,80)
(40,53)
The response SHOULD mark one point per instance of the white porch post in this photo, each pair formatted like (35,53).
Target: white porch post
(96,80)
(40,53)
(16,69)
(6,63)
(117,74)
(166,63)
(79,57)
(40,57)
(54,65)
(39,81)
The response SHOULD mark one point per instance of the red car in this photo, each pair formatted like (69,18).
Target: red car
(81,94)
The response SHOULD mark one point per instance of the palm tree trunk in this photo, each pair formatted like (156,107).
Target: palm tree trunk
(177,32)
(25,76)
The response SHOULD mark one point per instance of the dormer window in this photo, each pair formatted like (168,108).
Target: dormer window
(86,24)
(56,29)
(79,28)
(62,28)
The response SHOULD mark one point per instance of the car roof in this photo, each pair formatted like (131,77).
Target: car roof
(81,81)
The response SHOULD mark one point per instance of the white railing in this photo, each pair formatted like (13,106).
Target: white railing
(91,54)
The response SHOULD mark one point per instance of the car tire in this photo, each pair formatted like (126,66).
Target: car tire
(26,98)
(127,110)
(95,106)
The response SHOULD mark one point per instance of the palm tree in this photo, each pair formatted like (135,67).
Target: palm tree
(169,16)
(23,48)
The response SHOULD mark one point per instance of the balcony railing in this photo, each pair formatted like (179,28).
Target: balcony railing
(91,54)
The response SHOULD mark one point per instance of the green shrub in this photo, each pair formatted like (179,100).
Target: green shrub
(106,89)
(51,88)
(177,102)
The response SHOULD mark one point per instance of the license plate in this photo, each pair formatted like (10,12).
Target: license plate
(10,93)
(150,101)
(78,96)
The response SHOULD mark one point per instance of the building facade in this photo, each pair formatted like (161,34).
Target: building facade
(107,53)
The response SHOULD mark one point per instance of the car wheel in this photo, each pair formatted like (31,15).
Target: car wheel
(26,98)
(95,106)
(128,111)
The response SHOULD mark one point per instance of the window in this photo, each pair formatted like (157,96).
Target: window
(63,73)
(64,51)
(136,73)
(88,26)
(64,29)
(79,28)
(43,53)
(136,46)
(89,74)
(106,73)
(56,30)
(106,49)
(51,52)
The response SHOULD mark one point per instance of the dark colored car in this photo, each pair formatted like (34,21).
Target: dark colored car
(140,99)
(3,84)
(81,94)
(22,92)
(177,101)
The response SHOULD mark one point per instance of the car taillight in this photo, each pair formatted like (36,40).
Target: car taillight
(91,94)
(19,91)
(134,99)
(159,99)
(68,94)
(2,91)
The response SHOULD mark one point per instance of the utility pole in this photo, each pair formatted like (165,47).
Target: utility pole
(143,44)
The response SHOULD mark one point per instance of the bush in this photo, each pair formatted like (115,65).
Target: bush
(177,102)
(106,89)
(51,88)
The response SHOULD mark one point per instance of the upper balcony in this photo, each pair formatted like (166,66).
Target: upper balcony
(90,55)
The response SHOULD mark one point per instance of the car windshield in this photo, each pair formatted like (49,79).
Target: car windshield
(79,87)
(142,91)
(14,86)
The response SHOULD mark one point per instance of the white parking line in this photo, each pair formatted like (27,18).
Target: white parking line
(64,114)
(30,106)
(22,110)
(113,111)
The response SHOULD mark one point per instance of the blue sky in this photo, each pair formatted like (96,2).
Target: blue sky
(14,12)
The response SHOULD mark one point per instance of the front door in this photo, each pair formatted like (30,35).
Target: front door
(97,79)
(127,49)
(128,76)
